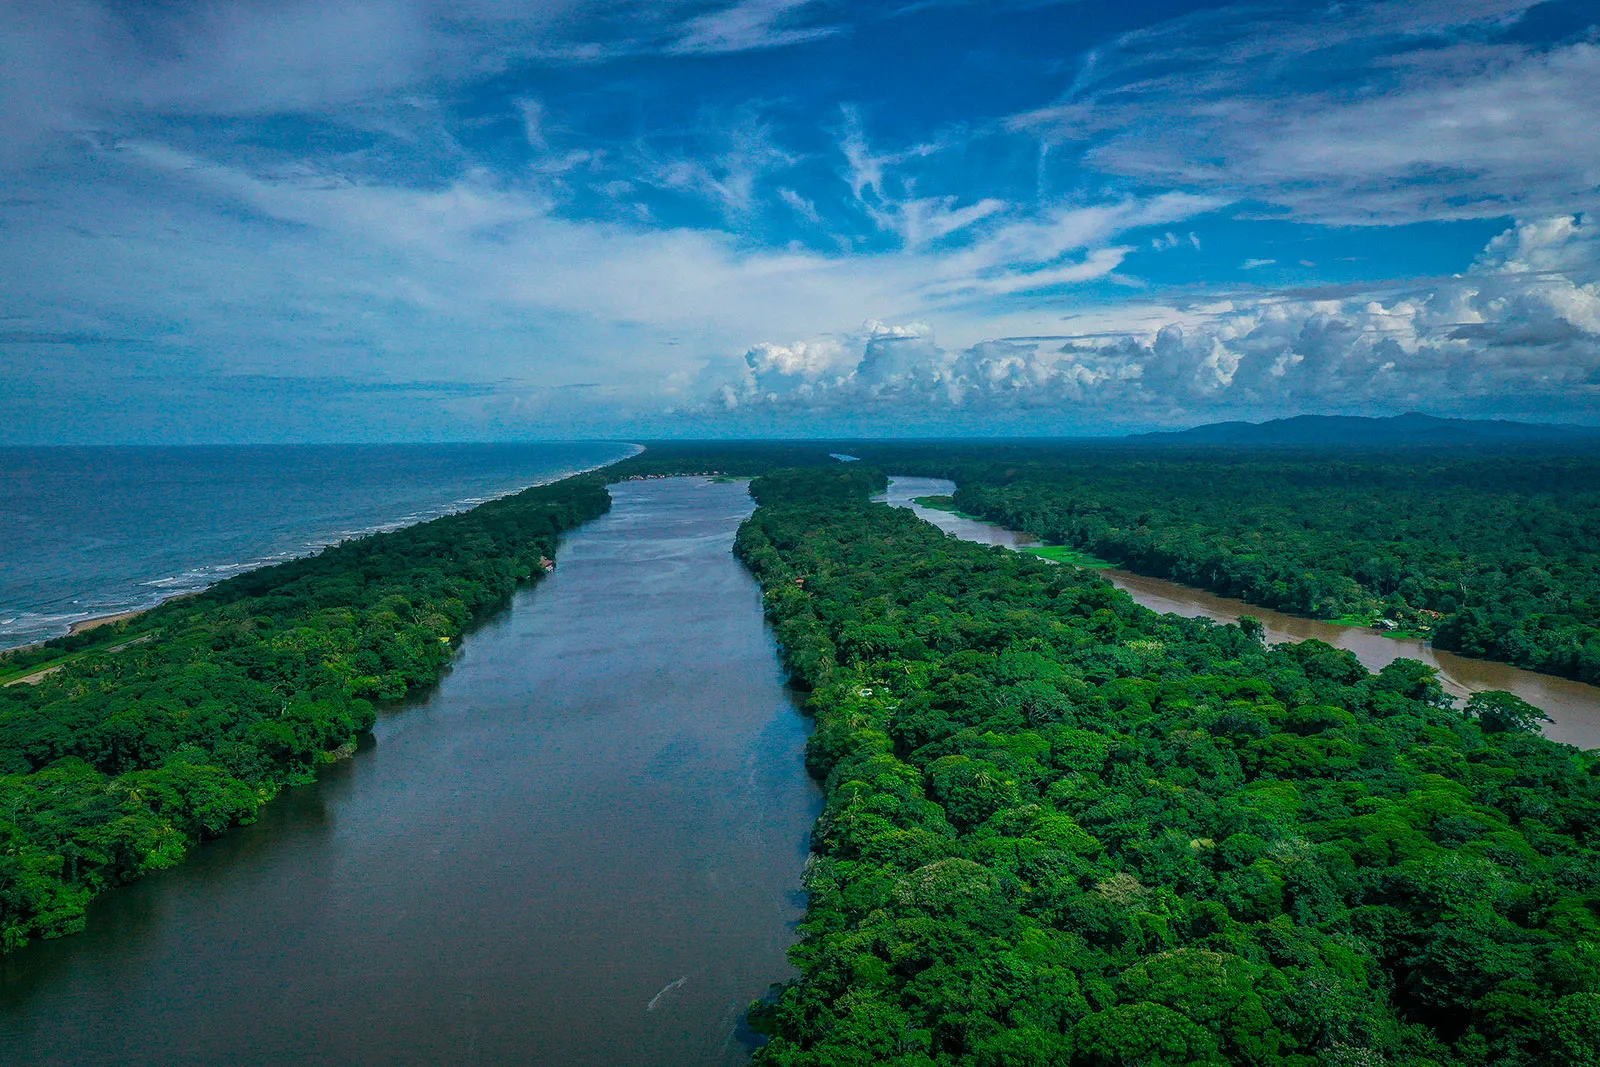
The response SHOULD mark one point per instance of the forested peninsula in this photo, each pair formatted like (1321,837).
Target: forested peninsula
(156,733)
(1063,829)
(1492,553)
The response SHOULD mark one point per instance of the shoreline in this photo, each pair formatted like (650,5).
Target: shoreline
(124,614)
(94,622)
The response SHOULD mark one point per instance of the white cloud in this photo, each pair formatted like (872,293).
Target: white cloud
(1361,112)
(1066,244)
(476,280)
(411,251)
(72,63)
(1097,263)
(1524,324)
(747,26)
(866,168)
(923,221)
(1169,240)
(85,65)
(533,124)
(739,154)
(802,207)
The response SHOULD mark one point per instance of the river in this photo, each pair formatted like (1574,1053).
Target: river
(1575,707)
(584,846)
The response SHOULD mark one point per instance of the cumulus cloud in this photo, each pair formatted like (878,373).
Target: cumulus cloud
(1524,323)
(479,281)
(470,191)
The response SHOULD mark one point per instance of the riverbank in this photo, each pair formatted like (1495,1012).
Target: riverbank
(1062,827)
(72,565)
(293,658)
(94,534)
(583,847)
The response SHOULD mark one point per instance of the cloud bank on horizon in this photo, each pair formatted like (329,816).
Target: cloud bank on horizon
(457,219)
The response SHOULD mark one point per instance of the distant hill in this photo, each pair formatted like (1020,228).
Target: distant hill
(1412,428)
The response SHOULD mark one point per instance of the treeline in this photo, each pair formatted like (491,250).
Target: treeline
(202,709)
(1492,555)
(739,459)
(1061,829)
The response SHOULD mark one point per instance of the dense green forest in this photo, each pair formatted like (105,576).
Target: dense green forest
(664,459)
(180,723)
(1493,554)
(1060,829)
(1063,829)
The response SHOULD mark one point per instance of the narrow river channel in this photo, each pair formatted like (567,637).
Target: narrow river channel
(583,847)
(1575,707)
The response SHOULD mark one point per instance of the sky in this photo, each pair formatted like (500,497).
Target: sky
(395,220)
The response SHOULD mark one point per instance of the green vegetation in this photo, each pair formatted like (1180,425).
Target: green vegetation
(1054,553)
(32,660)
(1063,554)
(175,725)
(1061,829)
(743,459)
(944,503)
(1491,554)
(835,485)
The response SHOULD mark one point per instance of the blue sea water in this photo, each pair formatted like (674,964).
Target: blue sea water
(86,532)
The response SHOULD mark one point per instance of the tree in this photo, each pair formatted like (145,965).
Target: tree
(1499,712)
(1143,1035)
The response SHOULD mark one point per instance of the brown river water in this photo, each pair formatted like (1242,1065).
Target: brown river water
(584,846)
(1575,707)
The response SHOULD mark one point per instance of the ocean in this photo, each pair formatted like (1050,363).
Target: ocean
(86,532)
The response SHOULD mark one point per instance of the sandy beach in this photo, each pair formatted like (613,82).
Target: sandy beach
(105,620)
(98,621)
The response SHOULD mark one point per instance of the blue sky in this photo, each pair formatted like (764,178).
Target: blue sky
(263,220)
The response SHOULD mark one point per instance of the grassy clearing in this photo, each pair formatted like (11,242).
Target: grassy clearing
(1053,553)
(14,676)
(35,671)
(1067,554)
(1371,622)
(945,503)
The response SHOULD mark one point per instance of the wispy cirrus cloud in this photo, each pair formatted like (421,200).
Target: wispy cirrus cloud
(1368,113)
(749,25)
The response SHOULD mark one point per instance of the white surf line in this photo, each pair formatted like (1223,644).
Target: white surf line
(669,987)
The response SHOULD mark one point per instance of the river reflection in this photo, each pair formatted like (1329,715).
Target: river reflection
(1575,707)
(583,848)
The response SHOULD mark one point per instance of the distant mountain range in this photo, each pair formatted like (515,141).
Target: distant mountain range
(1412,428)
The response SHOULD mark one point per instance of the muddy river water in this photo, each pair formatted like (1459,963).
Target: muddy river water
(583,847)
(1575,707)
